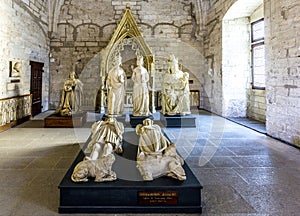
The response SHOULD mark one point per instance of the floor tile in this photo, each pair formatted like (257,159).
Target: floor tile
(243,173)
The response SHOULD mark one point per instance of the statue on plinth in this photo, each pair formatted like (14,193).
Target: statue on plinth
(71,97)
(106,138)
(175,90)
(140,78)
(115,84)
(156,155)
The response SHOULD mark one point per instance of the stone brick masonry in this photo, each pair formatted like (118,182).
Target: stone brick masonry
(23,38)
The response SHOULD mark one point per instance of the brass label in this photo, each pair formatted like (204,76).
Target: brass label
(158,197)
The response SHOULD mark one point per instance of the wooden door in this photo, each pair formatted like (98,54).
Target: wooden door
(36,86)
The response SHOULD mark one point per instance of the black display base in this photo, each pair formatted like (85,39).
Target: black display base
(57,121)
(119,118)
(178,121)
(129,193)
(135,120)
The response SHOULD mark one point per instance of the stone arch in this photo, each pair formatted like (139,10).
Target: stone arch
(167,29)
(127,33)
(87,32)
(146,28)
(65,31)
(109,29)
(54,7)
(185,31)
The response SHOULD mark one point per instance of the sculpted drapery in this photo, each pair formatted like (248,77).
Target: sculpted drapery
(115,83)
(151,141)
(175,90)
(106,137)
(71,97)
(140,78)
(156,155)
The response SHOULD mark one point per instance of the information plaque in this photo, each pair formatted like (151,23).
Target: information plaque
(158,197)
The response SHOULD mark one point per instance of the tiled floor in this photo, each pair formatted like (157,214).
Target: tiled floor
(250,123)
(243,172)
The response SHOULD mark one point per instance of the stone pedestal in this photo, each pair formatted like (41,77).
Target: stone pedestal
(135,120)
(178,121)
(121,118)
(57,121)
(129,193)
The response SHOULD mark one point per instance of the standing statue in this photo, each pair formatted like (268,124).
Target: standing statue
(175,90)
(140,78)
(156,155)
(115,83)
(71,97)
(106,138)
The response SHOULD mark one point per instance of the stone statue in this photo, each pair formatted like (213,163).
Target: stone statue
(71,97)
(175,90)
(16,69)
(151,141)
(156,155)
(106,137)
(100,169)
(140,78)
(115,83)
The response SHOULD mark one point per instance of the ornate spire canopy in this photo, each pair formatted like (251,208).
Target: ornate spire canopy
(126,33)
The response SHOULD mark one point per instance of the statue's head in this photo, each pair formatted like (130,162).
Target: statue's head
(173,62)
(72,75)
(119,59)
(140,60)
(110,118)
(17,66)
(148,122)
(173,59)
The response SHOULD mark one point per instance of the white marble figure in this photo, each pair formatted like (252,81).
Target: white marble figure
(100,169)
(115,84)
(71,97)
(16,69)
(1,113)
(5,114)
(175,90)
(106,138)
(140,79)
(156,155)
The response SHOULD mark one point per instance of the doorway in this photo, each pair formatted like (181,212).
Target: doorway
(36,87)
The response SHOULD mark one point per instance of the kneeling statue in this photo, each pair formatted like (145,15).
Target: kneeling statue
(156,155)
(71,98)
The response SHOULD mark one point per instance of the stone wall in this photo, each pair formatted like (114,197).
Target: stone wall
(213,98)
(85,28)
(227,46)
(283,69)
(235,66)
(256,104)
(23,38)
